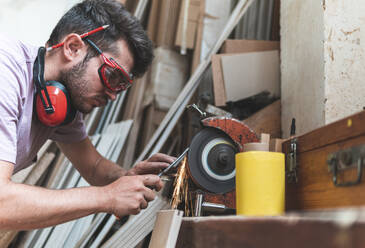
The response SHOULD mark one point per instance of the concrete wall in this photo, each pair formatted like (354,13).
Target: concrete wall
(344,49)
(323,61)
(302,65)
(31,20)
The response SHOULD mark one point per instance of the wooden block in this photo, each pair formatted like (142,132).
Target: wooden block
(265,138)
(247,46)
(166,229)
(256,146)
(276,145)
(267,120)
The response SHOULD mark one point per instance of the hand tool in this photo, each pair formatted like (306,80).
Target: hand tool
(174,164)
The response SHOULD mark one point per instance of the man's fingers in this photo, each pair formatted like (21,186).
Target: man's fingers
(152,167)
(144,204)
(160,157)
(152,182)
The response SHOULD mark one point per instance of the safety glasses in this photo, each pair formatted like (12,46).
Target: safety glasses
(111,74)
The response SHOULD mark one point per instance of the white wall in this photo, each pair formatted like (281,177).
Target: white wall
(344,49)
(323,61)
(32,20)
(302,65)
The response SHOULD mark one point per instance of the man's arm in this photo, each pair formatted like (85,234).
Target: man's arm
(27,207)
(100,171)
(92,166)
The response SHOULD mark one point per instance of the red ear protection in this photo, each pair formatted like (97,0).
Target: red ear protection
(52,101)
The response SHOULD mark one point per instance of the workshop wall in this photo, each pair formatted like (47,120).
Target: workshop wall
(31,21)
(302,65)
(323,63)
(344,49)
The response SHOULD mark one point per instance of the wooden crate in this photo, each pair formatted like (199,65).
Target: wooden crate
(315,187)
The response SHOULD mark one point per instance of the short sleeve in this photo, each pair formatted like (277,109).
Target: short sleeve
(71,133)
(11,80)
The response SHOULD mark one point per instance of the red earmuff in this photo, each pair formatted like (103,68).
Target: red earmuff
(63,111)
(52,100)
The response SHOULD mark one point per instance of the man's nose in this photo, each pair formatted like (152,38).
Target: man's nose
(112,95)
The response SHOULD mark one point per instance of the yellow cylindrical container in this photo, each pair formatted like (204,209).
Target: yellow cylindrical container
(260,183)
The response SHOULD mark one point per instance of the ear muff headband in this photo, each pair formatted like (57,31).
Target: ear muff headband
(38,72)
(52,100)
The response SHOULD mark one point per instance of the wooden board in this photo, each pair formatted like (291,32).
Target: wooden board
(218,81)
(166,229)
(267,120)
(274,232)
(233,47)
(315,188)
(248,74)
(246,46)
(188,23)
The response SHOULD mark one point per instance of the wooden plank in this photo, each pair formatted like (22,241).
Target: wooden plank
(153,20)
(6,237)
(267,120)
(40,168)
(273,232)
(120,103)
(235,46)
(275,24)
(189,16)
(219,89)
(126,234)
(168,20)
(199,38)
(247,46)
(216,17)
(166,229)
(80,225)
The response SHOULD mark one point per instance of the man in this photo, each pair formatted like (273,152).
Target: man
(118,51)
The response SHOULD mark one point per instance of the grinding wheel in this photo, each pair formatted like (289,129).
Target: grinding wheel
(211,160)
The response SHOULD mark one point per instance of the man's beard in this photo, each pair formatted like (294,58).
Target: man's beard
(76,85)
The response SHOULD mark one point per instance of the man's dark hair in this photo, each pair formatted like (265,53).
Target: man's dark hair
(91,14)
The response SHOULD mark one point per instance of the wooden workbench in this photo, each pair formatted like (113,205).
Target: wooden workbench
(324,229)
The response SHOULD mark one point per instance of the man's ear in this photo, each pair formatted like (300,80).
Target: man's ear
(73,47)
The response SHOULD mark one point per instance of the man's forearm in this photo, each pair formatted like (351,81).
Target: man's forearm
(104,172)
(28,207)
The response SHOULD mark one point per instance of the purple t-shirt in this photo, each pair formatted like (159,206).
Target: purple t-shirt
(21,133)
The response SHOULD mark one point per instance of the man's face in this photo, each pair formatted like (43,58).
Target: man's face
(83,82)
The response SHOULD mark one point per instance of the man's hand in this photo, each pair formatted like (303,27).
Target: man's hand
(129,195)
(153,165)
